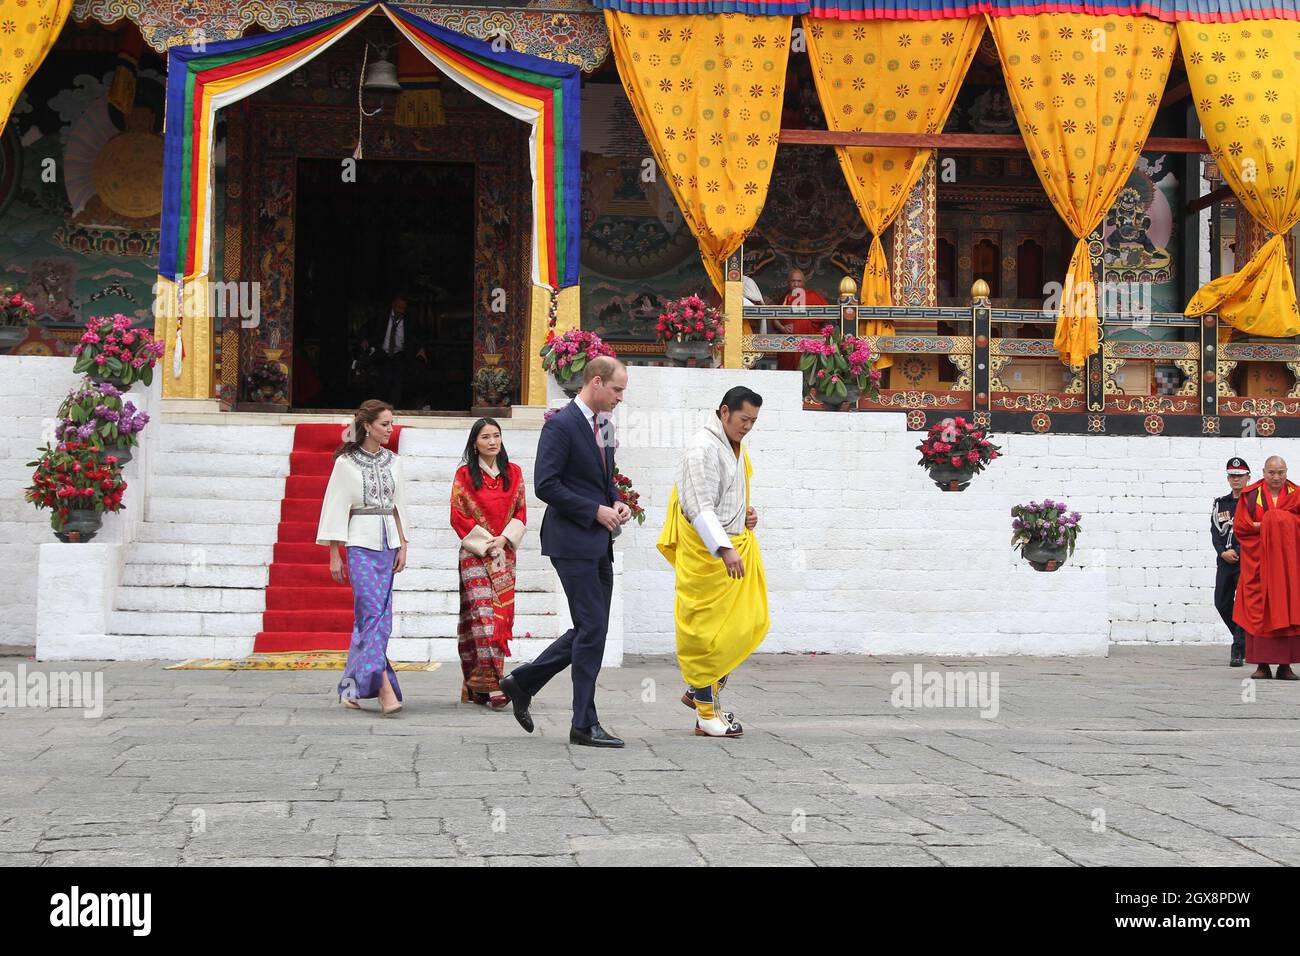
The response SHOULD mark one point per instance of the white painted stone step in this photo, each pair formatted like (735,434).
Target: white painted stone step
(198,554)
(192,623)
(217,465)
(194,532)
(265,514)
(195,575)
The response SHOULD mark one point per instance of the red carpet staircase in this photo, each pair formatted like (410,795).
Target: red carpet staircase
(305,609)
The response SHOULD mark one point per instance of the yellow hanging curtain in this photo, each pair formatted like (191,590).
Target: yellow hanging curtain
(1246,84)
(1085,90)
(707,90)
(887,76)
(27,32)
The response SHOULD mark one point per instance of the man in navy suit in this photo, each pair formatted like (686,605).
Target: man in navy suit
(574,475)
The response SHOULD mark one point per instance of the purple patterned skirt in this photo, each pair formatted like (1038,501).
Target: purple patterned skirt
(371,573)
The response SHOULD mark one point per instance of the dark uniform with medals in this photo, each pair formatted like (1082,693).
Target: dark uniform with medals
(1228,572)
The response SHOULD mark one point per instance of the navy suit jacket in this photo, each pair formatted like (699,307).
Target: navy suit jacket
(569,477)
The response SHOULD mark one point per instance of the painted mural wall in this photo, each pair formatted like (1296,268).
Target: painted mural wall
(80,195)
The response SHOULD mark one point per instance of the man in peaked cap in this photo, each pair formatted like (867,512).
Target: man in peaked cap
(1227,558)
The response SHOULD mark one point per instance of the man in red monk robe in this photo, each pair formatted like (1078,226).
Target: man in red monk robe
(1267,531)
(797,294)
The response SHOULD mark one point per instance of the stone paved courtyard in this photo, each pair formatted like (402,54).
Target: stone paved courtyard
(1148,757)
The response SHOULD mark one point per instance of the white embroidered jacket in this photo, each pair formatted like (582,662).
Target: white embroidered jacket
(361,480)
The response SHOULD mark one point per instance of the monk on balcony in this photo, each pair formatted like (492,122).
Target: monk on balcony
(1267,530)
(798,295)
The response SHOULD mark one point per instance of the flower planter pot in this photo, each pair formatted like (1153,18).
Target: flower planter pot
(81,526)
(682,353)
(847,403)
(949,478)
(118,383)
(123,453)
(571,385)
(1044,557)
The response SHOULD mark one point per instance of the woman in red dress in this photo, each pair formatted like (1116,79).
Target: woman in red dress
(489,514)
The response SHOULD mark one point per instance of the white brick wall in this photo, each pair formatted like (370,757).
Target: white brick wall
(864,554)
(31,389)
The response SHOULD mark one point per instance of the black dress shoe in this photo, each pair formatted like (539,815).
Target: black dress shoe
(1237,659)
(519,700)
(593,736)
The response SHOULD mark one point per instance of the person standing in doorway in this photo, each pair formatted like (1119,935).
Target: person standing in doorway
(396,349)
(1227,558)
(575,477)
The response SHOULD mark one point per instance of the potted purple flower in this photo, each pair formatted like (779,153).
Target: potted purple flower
(1044,532)
(95,415)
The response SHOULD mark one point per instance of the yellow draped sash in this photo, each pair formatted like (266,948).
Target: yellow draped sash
(720,620)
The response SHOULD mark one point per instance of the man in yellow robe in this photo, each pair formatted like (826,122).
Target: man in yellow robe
(708,538)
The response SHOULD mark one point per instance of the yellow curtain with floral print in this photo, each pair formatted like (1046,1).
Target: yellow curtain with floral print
(707,90)
(887,76)
(1246,84)
(27,32)
(1085,90)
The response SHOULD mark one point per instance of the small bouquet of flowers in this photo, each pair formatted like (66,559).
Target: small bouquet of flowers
(14,309)
(628,495)
(1049,524)
(71,477)
(112,349)
(565,356)
(95,415)
(954,451)
(838,369)
(689,320)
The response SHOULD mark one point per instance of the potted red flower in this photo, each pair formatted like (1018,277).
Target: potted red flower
(954,452)
(565,356)
(16,314)
(77,487)
(691,331)
(112,350)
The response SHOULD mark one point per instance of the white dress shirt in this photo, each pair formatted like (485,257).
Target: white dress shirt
(395,334)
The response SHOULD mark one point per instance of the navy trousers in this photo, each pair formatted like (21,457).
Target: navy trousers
(1225,593)
(589,587)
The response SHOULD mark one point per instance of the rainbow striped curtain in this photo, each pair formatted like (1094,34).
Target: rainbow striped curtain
(540,92)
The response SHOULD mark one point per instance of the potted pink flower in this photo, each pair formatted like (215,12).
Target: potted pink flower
(113,351)
(565,356)
(955,451)
(691,331)
(838,369)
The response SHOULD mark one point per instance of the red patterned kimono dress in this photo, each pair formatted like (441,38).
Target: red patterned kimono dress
(487,586)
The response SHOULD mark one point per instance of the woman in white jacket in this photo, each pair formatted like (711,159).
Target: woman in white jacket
(364,505)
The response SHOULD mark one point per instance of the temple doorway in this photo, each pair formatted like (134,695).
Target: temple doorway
(395,228)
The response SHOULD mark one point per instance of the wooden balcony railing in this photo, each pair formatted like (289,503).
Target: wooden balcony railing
(1159,373)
